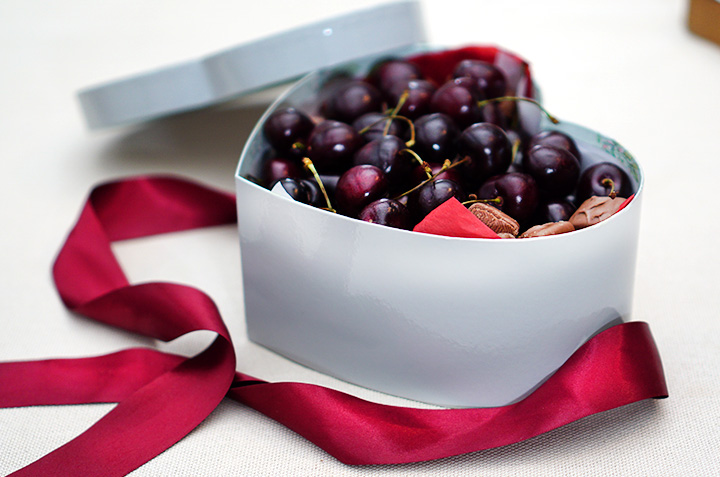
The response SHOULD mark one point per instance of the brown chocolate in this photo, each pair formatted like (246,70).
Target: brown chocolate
(496,219)
(505,235)
(595,210)
(550,228)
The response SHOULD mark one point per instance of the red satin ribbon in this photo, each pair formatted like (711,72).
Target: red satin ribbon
(162,397)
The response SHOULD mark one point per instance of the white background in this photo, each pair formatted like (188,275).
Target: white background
(627,68)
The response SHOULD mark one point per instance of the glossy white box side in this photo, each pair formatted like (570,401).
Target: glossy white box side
(458,322)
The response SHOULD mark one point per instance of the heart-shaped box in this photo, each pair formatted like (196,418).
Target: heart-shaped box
(450,321)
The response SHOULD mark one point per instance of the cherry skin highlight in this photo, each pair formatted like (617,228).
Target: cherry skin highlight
(331,145)
(432,194)
(417,103)
(359,186)
(302,190)
(488,149)
(488,80)
(458,101)
(387,154)
(351,100)
(287,131)
(555,170)
(388,212)
(556,139)
(554,210)
(435,136)
(387,75)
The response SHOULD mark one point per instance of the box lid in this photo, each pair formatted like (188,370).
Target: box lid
(244,69)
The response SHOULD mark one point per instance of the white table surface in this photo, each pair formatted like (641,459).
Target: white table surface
(627,68)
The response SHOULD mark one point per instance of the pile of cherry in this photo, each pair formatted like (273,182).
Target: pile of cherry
(391,147)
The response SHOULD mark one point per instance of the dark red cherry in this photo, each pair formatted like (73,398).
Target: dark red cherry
(489,151)
(600,179)
(554,210)
(302,190)
(331,146)
(359,186)
(456,100)
(277,168)
(387,212)
(517,191)
(435,136)
(417,103)
(373,126)
(557,139)
(387,74)
(387,154)
(287,131)
(489,81)
(467,83)
(555,170)
(429,196)
(314,194)
(293,187)
(351,100)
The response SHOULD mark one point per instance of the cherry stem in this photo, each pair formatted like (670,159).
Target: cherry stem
(497,200)
(607,182)
(367,128)
(515,149)
(311,167)
(447,165)
(552,118)
(409,143)
(392,115)
(396,110)
(424,164)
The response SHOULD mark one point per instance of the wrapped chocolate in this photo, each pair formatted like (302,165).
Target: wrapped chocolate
(497,220)
(594,210)
(550,228)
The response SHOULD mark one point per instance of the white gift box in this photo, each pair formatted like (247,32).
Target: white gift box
(450,321)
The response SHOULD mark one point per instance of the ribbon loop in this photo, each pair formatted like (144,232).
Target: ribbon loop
(162,397)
